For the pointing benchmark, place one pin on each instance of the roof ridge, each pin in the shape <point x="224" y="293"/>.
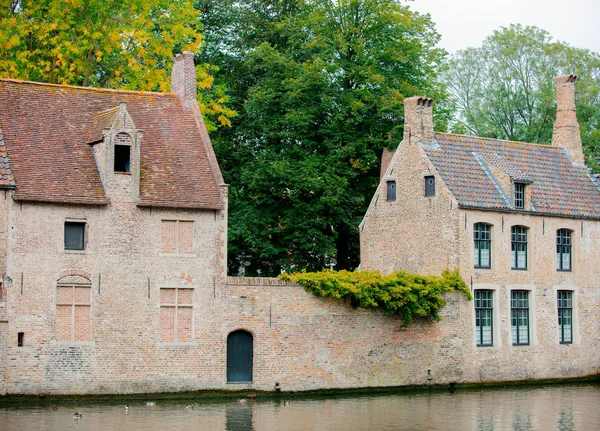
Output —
<point x="498" y="139"/>
<point x="92" y="89"/>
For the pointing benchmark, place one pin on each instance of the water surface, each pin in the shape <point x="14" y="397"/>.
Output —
<point x="564" y="408"/>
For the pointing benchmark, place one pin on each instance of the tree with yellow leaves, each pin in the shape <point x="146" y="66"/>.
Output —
<point x="105" y="43"/>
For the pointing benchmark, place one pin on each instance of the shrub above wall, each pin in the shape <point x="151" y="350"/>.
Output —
<point x="397" y="294"/>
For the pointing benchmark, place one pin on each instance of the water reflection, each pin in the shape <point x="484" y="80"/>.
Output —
<point x="239" y="417"/>
<point x="560" y="408"/>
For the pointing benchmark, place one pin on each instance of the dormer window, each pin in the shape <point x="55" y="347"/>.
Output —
<point x="122" y="158"/>
<point x="519" y="195"/>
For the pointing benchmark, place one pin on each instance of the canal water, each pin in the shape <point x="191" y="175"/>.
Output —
<point x="564" y="408"/>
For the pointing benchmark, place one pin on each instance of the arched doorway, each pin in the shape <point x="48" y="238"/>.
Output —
<point x="240" y="355"/>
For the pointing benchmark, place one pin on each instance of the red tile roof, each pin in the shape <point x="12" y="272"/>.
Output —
<point x="6" y="178"/>
<point x="47" y="129"/>
<point x="558" y="187"/>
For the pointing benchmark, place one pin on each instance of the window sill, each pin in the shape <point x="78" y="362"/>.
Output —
<point x="564" y="270"/>
<point x="518" y="269"/>
<point x="75" y="343"/>
<point x="185" y="255"/>
<point x="177" y="343"/>
<point x="75" y="251"/>
<point x="487" y="268"/>
<point x="240" y="383"/>
<point x="122" y="173"/>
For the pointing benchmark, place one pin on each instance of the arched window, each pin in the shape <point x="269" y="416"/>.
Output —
<point x="73" y="309"/>
<point x="518" y="244"/>
<point x="563" y="250"/>
<point x="482" y="245"/>
<point x="240" y="356"/>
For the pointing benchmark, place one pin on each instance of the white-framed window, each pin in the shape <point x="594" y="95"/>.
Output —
<point x="482" y="245"/>
<point x="519" y="316"/>
<point x="484" y="317"/>
<point x="518" y="247"/>
<point x="563" y="250"/>
<point x="565" y="316"/>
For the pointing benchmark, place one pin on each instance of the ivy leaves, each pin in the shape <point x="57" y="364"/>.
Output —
<point x="397" y="294"/>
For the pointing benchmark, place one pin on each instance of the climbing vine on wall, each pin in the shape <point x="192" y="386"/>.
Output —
<point x="398" y="294"/>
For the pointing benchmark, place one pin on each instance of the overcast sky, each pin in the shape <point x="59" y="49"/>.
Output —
<point x="465" y="23"/>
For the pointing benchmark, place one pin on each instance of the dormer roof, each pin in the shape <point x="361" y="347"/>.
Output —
<point x="48" y="128"/>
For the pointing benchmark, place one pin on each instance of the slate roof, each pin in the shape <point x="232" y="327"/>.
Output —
<point x="557" y="187"/>
<point x="47" y="129"/>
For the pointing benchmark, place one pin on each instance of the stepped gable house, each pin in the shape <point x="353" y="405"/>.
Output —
<point x="113" y="233"/>
<point x="522" y="224"/>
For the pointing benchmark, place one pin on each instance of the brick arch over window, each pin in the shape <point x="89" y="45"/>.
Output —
<point x="73" y="307"/>
<point x="75" y="273"/>
<point x="180" y="277"/>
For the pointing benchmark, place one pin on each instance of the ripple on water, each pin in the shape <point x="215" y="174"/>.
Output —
<point x="561" y="408"/>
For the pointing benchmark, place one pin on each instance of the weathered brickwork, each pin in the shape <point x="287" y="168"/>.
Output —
<point x="146" y="305"/>
<point x="428" y="234"/>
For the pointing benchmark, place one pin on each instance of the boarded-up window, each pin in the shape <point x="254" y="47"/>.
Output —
<point x="73" y="313"/>
<point x="176" y="311"/>
<point x="177" y="236"/>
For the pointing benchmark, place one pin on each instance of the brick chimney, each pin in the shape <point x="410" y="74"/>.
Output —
<point x="183" y="76"/>
<point x="566" y="128"/>
<point x="418" y="119"/>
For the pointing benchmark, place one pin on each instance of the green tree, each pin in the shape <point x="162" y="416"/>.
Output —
<point x="504" y="88"/>
<point x="319" y="89"/>
<point x="103" y="43"/>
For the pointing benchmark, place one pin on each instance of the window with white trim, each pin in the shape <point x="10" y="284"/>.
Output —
<point x="518" y="247"/>
<point x="519" y="314"/>
<point x="565" y="316"/>
<point x="482" y="245"/>
<point x="484" y="318"/>
<point x="563" y="250"/>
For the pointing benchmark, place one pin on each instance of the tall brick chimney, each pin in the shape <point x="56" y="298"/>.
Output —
<point x="418" y="119"/>
<point x="566" y="128"/>
<point x="183" y="76"/>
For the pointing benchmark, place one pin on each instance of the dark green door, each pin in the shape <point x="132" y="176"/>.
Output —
<point x="240" y="355"/>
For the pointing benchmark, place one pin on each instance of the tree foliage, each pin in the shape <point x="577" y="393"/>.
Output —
<point x="319" y="86"/>
<point x="103" y="43"/>
<point x="504" y="88"/>
<point x="398" y="294"/>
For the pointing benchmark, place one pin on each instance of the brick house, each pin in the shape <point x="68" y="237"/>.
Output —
<point x="113" y="233"/>
<point x="114" y="224"/>
<point x="520" y="221"/>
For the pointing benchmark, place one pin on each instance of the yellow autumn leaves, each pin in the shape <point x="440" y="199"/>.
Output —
<point x="125" y="44"/>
